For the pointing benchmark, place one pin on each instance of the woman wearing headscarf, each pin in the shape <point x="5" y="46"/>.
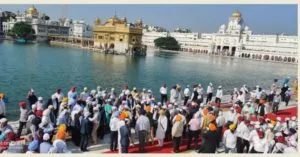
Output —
<point x="162" y="124"/>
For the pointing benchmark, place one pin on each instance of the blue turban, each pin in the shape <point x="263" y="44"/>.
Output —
<point x="116" y="114"/>
<point x="33" y="146"/>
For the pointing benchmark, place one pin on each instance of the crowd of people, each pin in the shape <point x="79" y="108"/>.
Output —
<point x="190" y="114"/>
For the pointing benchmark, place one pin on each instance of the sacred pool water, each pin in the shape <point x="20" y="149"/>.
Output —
<point x="46" y="68"/>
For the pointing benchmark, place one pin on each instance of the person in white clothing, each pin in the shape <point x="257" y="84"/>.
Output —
<point x="95" y="120"/>
<point x="162" y="124"/>
<point x="231" y="115"/>
<point x="186" y="94"/>
<point x="221" y="121"/>
<point x="173" y="95"/>
<point x="229" y="139"/>
<point x="164" y="93"/>
<point x="291" y="148"/>
<point x="242" y="132"/>
<point x="114" y="131"/>
<point x="39" y="103"/>
<point x="219" y="95"/>
<point x="209" y="92"/>
<point x="84" y="95"/>
<point x="59" y="95"/>
<point x="279" y="146"/>
<point x="260" y="144"/>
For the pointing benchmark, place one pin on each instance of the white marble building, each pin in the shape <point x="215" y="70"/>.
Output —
<point x="81" y="29"/>
<point x="235" y="39"/>
<point x="43" y="28"/>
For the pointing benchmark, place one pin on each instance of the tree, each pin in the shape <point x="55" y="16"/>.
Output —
<point x="168" y="43"/>
<point x="22" y="30"/>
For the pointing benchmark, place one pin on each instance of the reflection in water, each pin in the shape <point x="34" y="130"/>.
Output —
<point x="46" y="68"/>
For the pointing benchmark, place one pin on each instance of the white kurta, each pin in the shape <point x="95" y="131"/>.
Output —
<point x="162" y="125"/>
<point x="120" y="124"/>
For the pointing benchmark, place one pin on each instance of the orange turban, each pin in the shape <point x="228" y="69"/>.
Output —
<point x="178" y="118"/>
<point x="148" y="108"/>
<point x="211" y="117"/>
<point x="123" y="116"/>
<point x="61" y="132"/>
<point x="205" y="111"/>
<point x="212" y="127"/>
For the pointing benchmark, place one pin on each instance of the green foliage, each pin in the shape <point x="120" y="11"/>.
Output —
<point x="22" y="30"/>
<point x="168" y="43"/>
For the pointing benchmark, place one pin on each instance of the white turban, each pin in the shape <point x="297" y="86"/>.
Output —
<point x="46" y="137"/>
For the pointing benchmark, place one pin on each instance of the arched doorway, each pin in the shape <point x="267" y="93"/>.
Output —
<point x="280" y="59"/>
<point x="272" y="58"/>
<point x="260" y="56"/>
<point x="225" y="48"/>
<point x="242" y="55"/>
<point x="285" y="59"/>
<point x="289" y="59"/>
<point x="276" y="58"/>
<point x="112" y="46"/>
<point x="218" y="48"/>
<point x="253" y="56"/>
<point x="266" y="57"/>
<point x="293" y="59"/>
<point x="233" y="51"/>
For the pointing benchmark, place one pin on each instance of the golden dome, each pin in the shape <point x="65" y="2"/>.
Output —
<point x="114" y="20"/>
<point x="236" y="14"/>
<point x="32" y="10"/>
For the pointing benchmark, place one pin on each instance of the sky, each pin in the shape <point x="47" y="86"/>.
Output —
<point x="267" y="19"/>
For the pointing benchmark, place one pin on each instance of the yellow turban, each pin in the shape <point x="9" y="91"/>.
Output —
<point x="178" y="118"/>
<point x="161" y="112"/>
<point x="232" y="127"/>
<point x="65" y="100"/>
<point x="273" y="122"/>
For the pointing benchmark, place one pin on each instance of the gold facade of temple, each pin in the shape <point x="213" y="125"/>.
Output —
<point x="32" y="12"/>
<point x="117" y="35"/>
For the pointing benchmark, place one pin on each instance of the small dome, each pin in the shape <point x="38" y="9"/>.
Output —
<point x="124" y="19"/>
<point x="97" y="21"/>
<point x="139" y="21"/>
<point x="236" y="14"/>
<point x="246" y="28"/>
<point x="223" y="26"/>
<point x="114" y="19"/>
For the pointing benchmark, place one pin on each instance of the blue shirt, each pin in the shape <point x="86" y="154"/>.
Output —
<point x="45" y="147"/>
